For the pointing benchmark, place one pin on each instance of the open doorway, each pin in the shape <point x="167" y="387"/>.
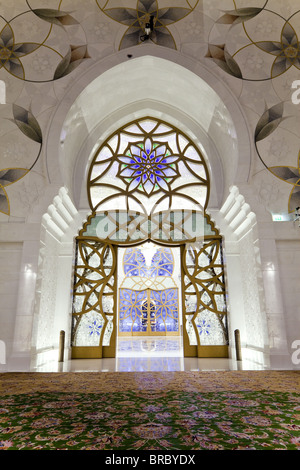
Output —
<point x="149" y="301"/>
<point x="148" y="181"/>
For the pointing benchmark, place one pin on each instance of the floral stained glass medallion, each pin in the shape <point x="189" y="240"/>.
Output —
<point x="149" y="167"/>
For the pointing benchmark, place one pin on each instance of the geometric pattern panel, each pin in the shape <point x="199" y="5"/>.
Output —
<point x="148" y="297"/>
<point x="149" y="312"/>
<point x="203" y="285"/>
<point x="148" y="166"/>
<point x="93" y="293"/>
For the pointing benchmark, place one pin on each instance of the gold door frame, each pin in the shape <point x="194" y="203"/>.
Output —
<point x="148" y="331"/>
<point x="213" y="286"/>
<point x="190" y="286"/>
<point x="102" y="287"/>
<point x="114" y="168"/>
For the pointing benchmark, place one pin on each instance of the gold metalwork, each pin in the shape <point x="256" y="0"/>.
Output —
<point x="135" y="181"/>
<point x="143" y="159"/>
<point x="203" y="290"/>
<point x="94" y="286"/>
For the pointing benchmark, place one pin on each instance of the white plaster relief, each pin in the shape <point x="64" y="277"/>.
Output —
<point x="238" y="224"/>
<point x="53" y="288"/>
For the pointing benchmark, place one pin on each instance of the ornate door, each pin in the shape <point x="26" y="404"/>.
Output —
<point x="148" y="181"/>
<point x="149" y="315"/>
<point x="204" y="299"/>
<point x="94" y="300"/>
<point x="154" y="310"/>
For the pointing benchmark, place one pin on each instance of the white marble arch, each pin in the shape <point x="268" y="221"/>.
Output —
<point x="244" y="278"/>
<point x="109" y="94"/>
<point x="156" y="82"/>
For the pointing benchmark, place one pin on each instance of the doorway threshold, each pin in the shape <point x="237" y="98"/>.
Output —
<point x="149" y="346"/>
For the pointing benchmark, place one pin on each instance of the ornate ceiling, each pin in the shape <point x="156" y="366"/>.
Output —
<point x="252" y="46"/>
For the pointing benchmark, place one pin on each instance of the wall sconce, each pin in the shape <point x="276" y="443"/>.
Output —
<point x="148" y="29"/>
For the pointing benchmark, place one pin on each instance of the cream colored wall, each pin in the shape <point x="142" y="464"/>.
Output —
<point x="10" y="261"/>
<point x="289" y="275"/>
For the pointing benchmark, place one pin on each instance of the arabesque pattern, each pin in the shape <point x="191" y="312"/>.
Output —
<point x="93" y="294"/>
<point x="204" y="290"/>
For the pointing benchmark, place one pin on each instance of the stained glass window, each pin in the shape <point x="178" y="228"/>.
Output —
<point x="148" y="181"/>
<point x="134" y="263"/>
<point x="145" y="166"/>
<point x="93" y="293"/>
<point x="204" y="291"/>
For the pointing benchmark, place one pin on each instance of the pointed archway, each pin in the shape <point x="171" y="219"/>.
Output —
<point x="149" y="181"/>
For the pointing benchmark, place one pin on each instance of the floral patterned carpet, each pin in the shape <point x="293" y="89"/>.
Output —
<point x="230" y="410"/>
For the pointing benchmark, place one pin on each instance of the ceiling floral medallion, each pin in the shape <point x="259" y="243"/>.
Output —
<point x="12" y="53"/>
<point x="136" y="16"/>
<point x="148" y="166"/>
<point x="290" y="175"/>
<point x="285" y="47"/>
<point x="266" y="125"/>
<point x="287" y="51"/>
<point x="29" y="126"/>
<point x="9" y="176"/>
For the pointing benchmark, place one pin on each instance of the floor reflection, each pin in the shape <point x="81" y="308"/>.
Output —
<point x="143" y="354"/>
<point x="146" y="345"/>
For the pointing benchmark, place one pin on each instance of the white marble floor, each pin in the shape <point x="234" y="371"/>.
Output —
<point x="147" y="354"/>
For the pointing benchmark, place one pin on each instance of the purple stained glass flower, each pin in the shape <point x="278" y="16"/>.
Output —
<point x="148" y="166"/>
<point x="204" y="327"/>
<point x="94" y="328"/>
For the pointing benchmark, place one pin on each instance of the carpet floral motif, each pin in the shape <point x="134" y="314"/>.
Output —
<point x="152" y="418"/>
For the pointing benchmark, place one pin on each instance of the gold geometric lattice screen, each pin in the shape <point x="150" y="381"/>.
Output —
<point x="94" y="295"/>
<point x="203" y="285"/>
<point x="149" y="182"/>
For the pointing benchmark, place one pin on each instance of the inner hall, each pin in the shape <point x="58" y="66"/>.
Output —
<point x="149" y="189"/>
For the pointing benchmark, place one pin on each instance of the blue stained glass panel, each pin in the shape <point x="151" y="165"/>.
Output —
<point x="131" y="311"/>
<point x="95" y="328"/>
<point x="166" y="312"/>
<point x="134" y="311"/>
<point x="134" y="263"/>
<point x="152" y="310"/>
<point x="162" y="263"/>
<point x="211" y="328"/>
